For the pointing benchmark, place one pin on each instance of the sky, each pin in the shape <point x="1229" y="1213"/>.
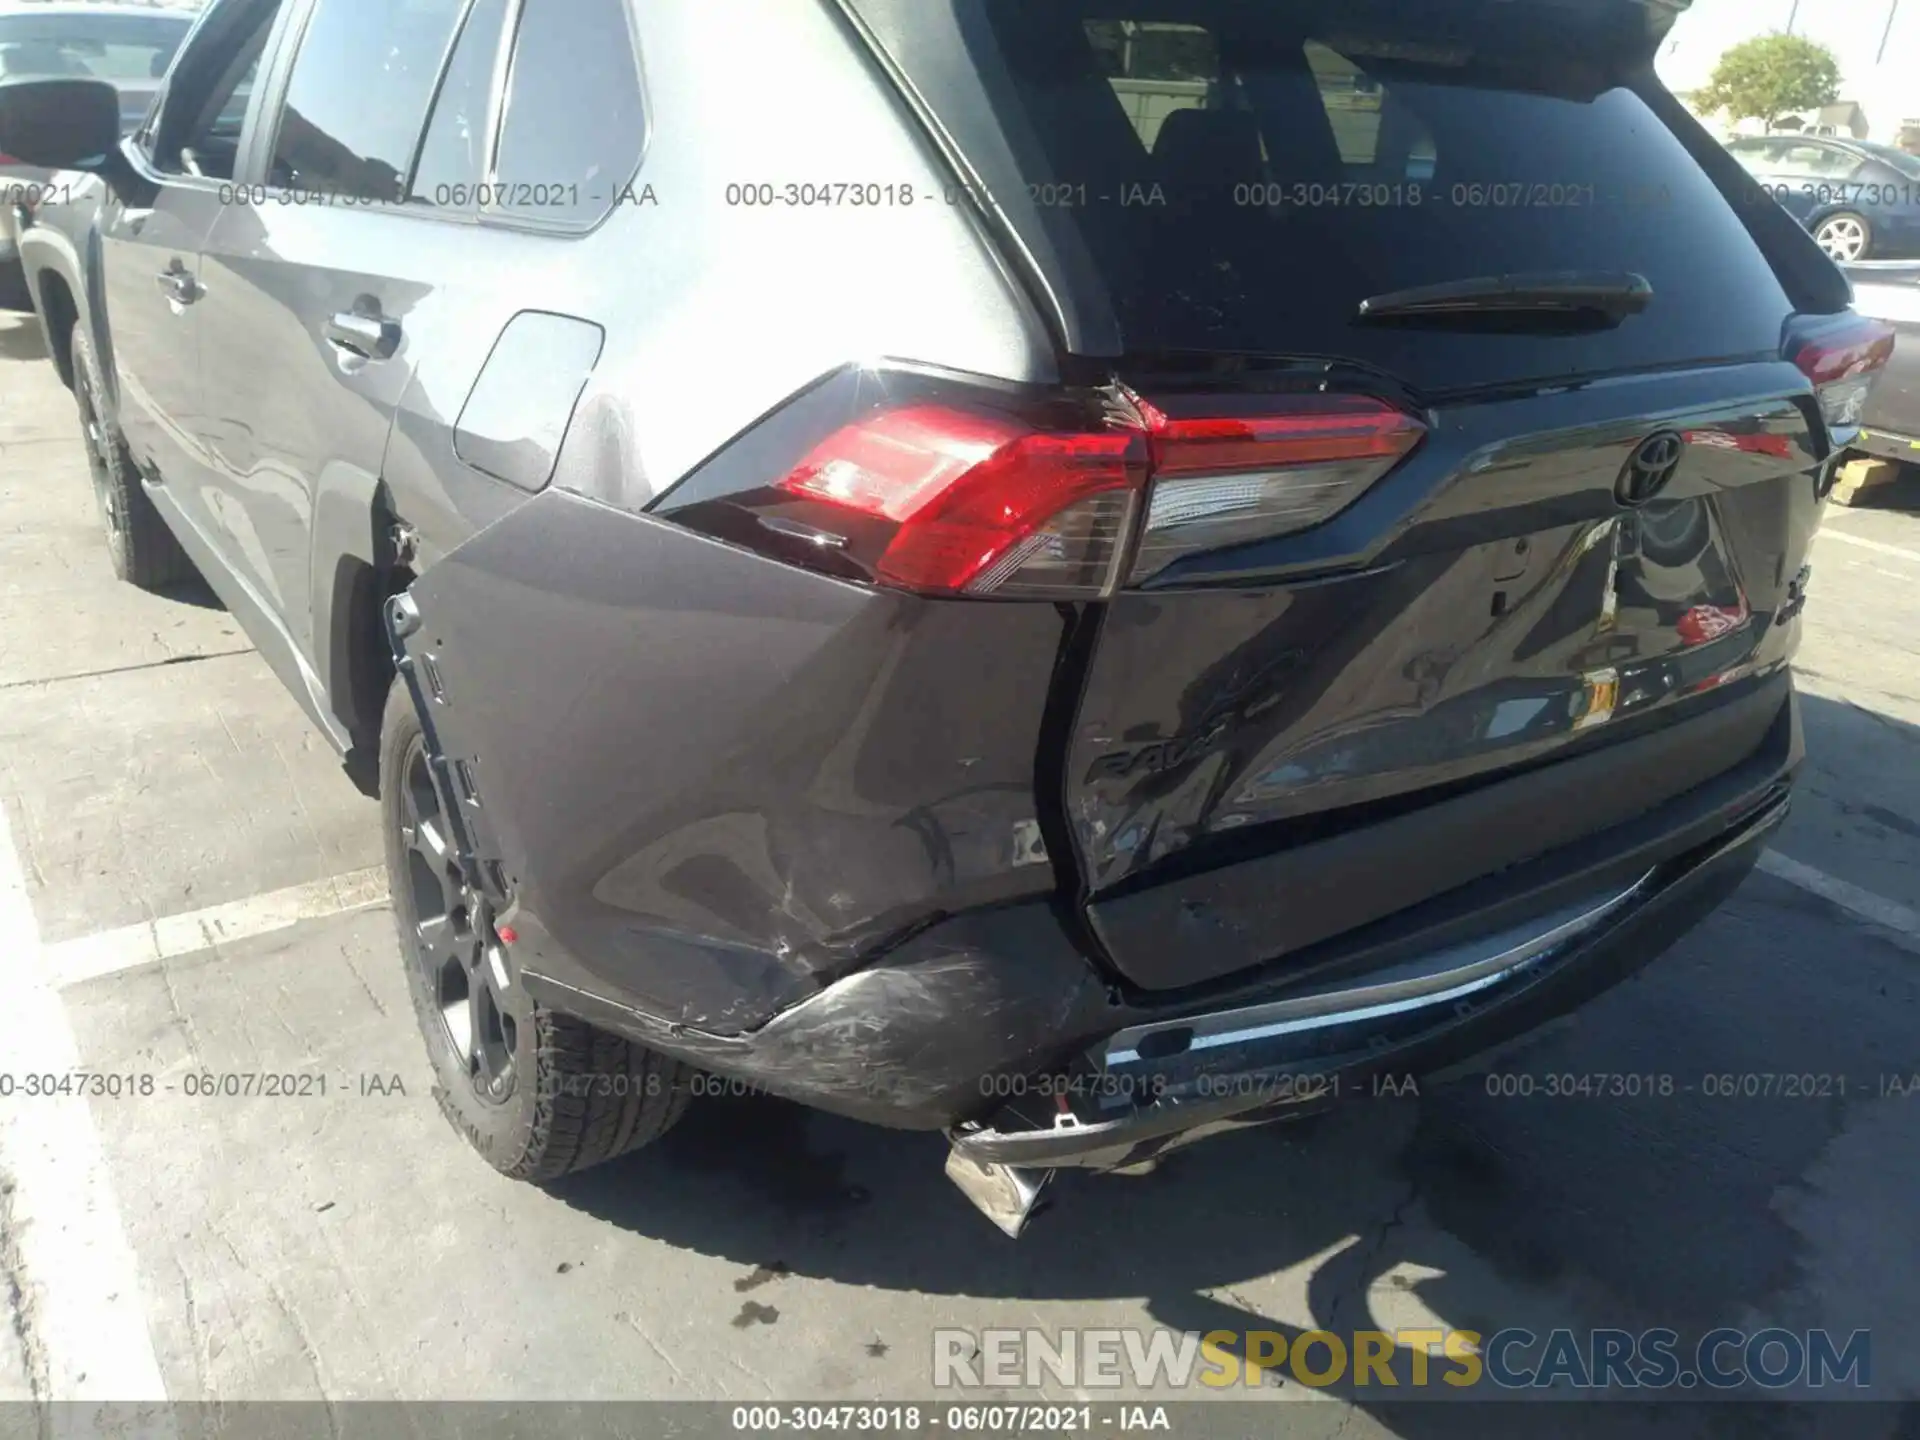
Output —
<point x="1889" y="92"/>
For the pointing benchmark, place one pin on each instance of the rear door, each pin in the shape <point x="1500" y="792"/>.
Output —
<point x="365" y="278"/>
<point x="1767" y="161"/>
<point x="1384" y="621"/>
<point x="308" y="294"/>
<point x="1812" y="179"/>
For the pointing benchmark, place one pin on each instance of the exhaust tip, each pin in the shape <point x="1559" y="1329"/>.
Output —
<point x="1008" y="1195"/>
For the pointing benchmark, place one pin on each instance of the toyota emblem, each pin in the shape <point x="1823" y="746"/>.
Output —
<point x="1647" y="473"/>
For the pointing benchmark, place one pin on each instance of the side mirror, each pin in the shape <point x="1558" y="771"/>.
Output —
<point x="58" y="123"/>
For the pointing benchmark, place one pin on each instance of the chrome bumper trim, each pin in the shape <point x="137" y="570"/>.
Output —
<point x="1430" y="981"/>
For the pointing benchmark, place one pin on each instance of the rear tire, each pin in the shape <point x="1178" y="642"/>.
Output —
<point x="143" y="549"/>
<point x="538" y="1093"/>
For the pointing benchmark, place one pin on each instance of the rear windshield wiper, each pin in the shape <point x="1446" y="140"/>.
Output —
<point x="1611" y="295"/>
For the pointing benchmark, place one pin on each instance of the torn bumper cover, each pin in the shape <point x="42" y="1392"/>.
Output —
<point x="1167" y="1084"/>
<point x="992" y="1026"/>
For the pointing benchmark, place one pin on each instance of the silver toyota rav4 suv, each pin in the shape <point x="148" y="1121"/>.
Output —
<point x="1076" y="574"/>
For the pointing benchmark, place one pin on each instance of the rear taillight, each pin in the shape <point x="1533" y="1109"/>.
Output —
<point x="941" y="490"/>
<point x="1272" y="469"/>
<point x="1842" y="356"/>
<point x="981" y="504"/>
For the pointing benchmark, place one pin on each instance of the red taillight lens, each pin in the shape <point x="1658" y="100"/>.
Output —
<point x="1224" y="480"/>
<point x="1311" y="430"/>
<point x="984" y="504"/>
<point x="1843" y="357"/>
<point x="944" y="490"/>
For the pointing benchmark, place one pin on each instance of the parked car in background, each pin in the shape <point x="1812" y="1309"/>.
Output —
<point x="1889" y="443"/>
<point x="127" y="45"/>
<point x="1859" y="199"/>
<point x="1006" y="614"/>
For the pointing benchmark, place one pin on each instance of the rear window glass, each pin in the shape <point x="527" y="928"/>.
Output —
<point x="1242" y="177"/>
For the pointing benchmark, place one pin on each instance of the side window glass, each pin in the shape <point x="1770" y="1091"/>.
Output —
<point x="574" y="124"/>
<point x="1815" y="162"/>
<point x="196" y="130"/>
<point x="453" y="156"/>
<point x="358" y="96"/>
<point x="1838" y="164"/>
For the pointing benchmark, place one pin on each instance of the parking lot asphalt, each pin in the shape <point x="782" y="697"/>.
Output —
<point x="190" y="888"/>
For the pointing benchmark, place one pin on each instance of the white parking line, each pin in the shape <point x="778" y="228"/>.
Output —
<point x="1902" y="924"/>
<point x="1880" y="547"/>
<point x="69" y="962"/>
<point x="83" y="1316"/>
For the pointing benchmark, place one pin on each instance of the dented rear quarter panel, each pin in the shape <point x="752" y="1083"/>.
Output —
<point x="716" y="781"/>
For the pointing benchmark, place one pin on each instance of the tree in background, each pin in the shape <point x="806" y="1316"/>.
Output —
<point x="1770" y="76"/>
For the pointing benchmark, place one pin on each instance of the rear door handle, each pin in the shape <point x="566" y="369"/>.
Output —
<point x="371" y="337"/>
<point x="179" y="285"/>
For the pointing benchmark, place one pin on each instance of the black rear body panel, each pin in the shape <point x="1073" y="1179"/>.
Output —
<point x="1250" y="753"/>
<point x="931" y="1032"/>
<point x="1283" y="740"/>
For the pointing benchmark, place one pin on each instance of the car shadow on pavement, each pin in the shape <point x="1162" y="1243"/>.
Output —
<point x="1472" y="1204"/>
<point x="193" y="591"/>
<point x="20" y="337"/>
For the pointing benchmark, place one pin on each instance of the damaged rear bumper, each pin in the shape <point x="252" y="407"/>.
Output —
<point x="1264" y="1062"/>
<point x="992" y="1026"/>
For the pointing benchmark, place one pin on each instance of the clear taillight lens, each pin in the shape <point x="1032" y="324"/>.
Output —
<point x="1843" y="357"/>
<point x="1223" y="480"/>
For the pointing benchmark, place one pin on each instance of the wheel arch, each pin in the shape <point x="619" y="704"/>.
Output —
<point x="59" y="313"/>
<point x="355" y="571"/>
<point x="65" y="286"/>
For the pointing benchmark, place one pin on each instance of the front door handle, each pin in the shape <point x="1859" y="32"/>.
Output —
<point x="371" y="337"/>
<point x="178" y="285"/>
